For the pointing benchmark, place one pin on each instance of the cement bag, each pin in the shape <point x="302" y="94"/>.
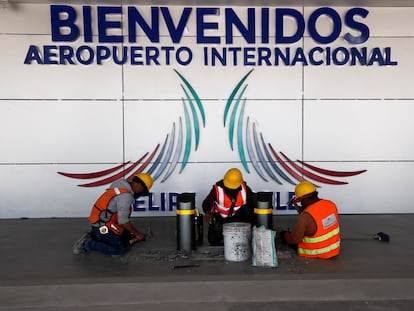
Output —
<point x="263" y="248"/>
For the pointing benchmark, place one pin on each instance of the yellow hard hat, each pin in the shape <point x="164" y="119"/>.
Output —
<point x="233" y="178"/>
<point x="302" y="189"/>
<point x="145" y="180"/>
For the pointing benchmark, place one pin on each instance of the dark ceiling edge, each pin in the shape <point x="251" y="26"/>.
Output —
<point x="241" y="3"/>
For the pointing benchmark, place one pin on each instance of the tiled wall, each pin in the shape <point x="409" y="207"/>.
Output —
<point x="83" y="119"/>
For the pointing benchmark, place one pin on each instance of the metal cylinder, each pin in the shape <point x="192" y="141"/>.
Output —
<point x="186" y="222"/>
<point x="263" y="211"/>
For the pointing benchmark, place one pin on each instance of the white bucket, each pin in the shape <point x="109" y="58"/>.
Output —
<point x="237" y="239"/>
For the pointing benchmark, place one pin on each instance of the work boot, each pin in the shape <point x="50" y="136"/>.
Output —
<point x="79" y="246"/>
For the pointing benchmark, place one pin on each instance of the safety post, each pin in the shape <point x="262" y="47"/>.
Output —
<point x="263" y="211"/>
<point x="186" y="222"/>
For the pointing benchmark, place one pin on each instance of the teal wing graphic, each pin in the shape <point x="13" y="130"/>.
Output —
<point x="164" y="159"/>
<point x="266" y="162"/>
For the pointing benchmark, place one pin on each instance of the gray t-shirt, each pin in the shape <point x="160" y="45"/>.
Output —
<point x="120" y="203"/>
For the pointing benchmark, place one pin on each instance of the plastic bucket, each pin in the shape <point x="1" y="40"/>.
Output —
<point x="237" y="238"/>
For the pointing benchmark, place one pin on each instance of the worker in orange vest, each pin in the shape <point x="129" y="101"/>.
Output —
<point x="112" y="230"/>
<point x="230" y="200"/>
<point x="316" y="233"/>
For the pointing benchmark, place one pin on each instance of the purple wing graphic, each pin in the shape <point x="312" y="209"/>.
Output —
<point x="174" y="150"/>
<point x="265" y="160"/>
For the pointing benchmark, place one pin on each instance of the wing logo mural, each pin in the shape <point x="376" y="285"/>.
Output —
<point x="175" y="148"/>
<point x="243" y="133"/>
<point x="265" y="160"/>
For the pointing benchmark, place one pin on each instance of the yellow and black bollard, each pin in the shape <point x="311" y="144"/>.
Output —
<point x="263" y="210"/>
<point x="186" y="222"/>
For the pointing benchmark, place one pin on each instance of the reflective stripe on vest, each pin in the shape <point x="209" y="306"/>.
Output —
<point x="322" y="237"/>
<point x="326" y="242"/>
<point x="320" y="251"/>
<point x="101" y="205"/>
<point x="223" y="202"/>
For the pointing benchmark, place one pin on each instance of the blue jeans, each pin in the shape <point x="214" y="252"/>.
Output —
<point x="108" y="244"/>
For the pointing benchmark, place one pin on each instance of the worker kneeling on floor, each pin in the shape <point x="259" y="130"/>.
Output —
<point x="112" y="230"/>
<point x="316" y="232"/>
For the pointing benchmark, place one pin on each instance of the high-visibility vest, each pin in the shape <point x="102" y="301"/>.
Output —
<point x="326" y="242"/>
<point x="223" y="203"/>
<point x="100" y="209"/>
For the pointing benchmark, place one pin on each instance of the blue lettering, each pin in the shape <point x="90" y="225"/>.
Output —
<point x="66" y="25"/>
<point x="134" y="17"/>
<point x="49" y="53"/>
<point x="64" y="28"/>
<point x="336" y="29"/>
<point x="176" y="33"/>
<point x="264" y="56"/>
<point x="162" y="201"/>
<point x="151" y="205"/>
<point x="249" y="54"/>
<point x="299" y="57"/>
<point x="216" y="55"/>
<point x="33" y="55"/>
<point x="361" y="55"/>
<point x="290" y="196"/>
<point x="148" y="203"/>
<point x="312" y="59"/>
<point x="300" y="23"/>
<point x="117" y="60"/>
<point x="87" y="24"/>
<point x="265" y="25"/>
<point x="56" y="11"/>
<point x="139" y="204"/>
<point x="136" y="55"/>
<point x="276" y="202"/>
<point x="328" y="56"/>
<point x="167" y="50"/>
<point x="205" y="53"/>
<point x="104" y="24"/>
<point x="388" y="60"/>
<point x="340" y="56"/>
<point x="202" y="26"/>
<point x="66" y="55"/>
<point x="284" y="57"/>
<point x="362" y="28"/>
<point x="172" y="199"/>
<point x="85" y="55"/>
<point x="376" y="57"/>
<point x="234" y="51"/>
<point x="249" y="33"/>
<point x="282" y="207"/>
<point x="182" y="51"/>
<point x="151" y="54"/>
<point x="102" y="53"/>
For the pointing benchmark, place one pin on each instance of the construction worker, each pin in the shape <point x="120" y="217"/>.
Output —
<point x="316" y="232"/>
<point x="230" y="200"/>
<point x="112" y="230"/>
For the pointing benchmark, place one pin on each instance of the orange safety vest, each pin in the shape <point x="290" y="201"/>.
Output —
<point x="101" y="206"/>
<point x="326" y="242"/>
<point x="223" y="203"/>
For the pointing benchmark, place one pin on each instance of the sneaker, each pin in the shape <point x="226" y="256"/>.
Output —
<point x="79" y="246"/>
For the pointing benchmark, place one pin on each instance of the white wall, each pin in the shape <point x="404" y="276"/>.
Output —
<point x="82" y="119"/>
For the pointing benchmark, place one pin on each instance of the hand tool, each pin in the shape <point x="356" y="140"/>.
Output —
<point x="380" y="236"/>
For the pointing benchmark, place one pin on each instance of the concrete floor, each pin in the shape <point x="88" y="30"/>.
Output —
<point x="39" y="272"/>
